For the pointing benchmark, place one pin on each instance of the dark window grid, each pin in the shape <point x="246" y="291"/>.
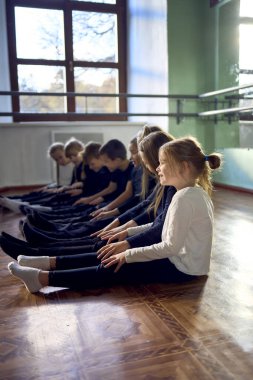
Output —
<point x="68" y="63"/>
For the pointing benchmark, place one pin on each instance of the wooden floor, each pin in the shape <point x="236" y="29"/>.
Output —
<point x="202" y="330"/>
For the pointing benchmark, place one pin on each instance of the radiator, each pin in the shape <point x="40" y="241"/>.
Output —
<point x="58" y="136"/>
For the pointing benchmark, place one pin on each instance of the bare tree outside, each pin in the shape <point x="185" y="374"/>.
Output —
<point x="39" y="33"/>
<point x="94" y="36"/>
<point x="94" y="40"/>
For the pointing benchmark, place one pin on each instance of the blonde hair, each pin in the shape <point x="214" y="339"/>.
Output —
<point x="73" y="146"/>
<point x="54" y="148"/>
<point x="146" y="130"/>
<point x="189" y="150"/>
<point x="150" y="146"/>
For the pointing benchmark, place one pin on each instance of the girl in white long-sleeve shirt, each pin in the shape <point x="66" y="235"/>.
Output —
<point x="188" y="227"/>
<point x="186" y="236"/>
<point x="185" y="249"/>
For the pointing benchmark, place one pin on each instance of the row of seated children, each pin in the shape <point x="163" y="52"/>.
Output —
<point x="62" y="155"/>
<point x="124" y="179"/>
<point x="71" y="152"/>
<point x="113" y="155"/>
<point x="155" y="204"/>
<point x="89" y="175"/>
<point x="149" y="151"/>
<point x="183" y="253"/>
<point x="82" y="183"/>
<point x="123" y="191"/>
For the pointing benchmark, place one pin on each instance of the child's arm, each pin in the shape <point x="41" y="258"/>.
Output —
<point x="112" y="228"/>
<point x="74" y="192"/>
<point x="128" y="193"/>
<point x="77" y="185"/>
<point x="179" y="221"/>
<point x="118" y="201"/>
<point x="123" y="244"/>
<point x="108" y="190"/>
<point x="106" y="214"/>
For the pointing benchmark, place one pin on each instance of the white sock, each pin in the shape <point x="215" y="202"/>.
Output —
<point x="29" y="276"/>
<point x="39" y="262"/>
<point x="12" y="204"/>
<point x="41" y="208"/>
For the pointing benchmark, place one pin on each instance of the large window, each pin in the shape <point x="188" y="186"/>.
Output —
<point x="75" y="46"/>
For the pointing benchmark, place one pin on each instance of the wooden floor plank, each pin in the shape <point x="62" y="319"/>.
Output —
<point x="198" y="330"/>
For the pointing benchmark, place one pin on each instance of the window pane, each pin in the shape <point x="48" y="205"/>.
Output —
<point x="100" y="1"/>
<point x="42" y="104"/>
<point x="42" y="79"/>
<point x="245" y="56"/>
<point x="96" y="81"/>
<point x="246" y="8"/>
<point x="39" y="33"/>
<point x="246" y="79"/>
<point x="95" y="36"/>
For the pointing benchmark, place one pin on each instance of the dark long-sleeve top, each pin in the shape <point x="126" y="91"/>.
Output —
<point x="138" y="209"/>
<point x="96" y="181"/>
<point x="120" y="177"/>
<point x="154" y="233"/>
<point x="79" y="172"/>
<point x="137" y="184"/>
<point x="136" y="180"/>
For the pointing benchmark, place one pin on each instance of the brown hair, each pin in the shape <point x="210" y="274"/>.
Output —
<point x="145" y="131"/>
<point x="114" y="149"/>
<point x="189" y="149"/>
<point x="150" y="146"/>
<point x="134" y="141"/>
<point x="91" y="150"/>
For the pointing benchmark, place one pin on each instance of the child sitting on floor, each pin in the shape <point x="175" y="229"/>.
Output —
<point x="183" y="253"/>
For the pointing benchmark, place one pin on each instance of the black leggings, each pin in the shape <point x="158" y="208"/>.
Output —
<point x="67" y="251"/>
<point x="85" y="271"/>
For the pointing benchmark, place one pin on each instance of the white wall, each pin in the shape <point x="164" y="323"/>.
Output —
<point x="23" y="147"/>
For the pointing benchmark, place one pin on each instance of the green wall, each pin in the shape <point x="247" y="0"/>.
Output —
<point x="227" y="52"/>
<point x="203" y="57"/>
<point x="236" y="170"/>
